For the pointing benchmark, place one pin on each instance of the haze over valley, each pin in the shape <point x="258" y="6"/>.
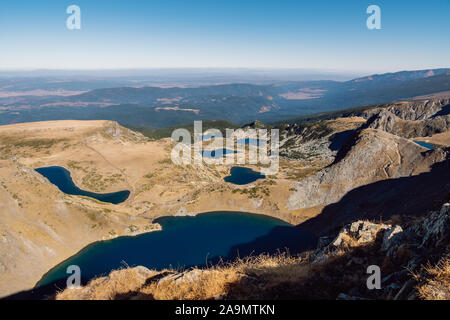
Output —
<point x="165" y="105"/>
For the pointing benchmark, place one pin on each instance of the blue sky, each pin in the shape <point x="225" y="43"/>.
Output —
<point x="329" y="35"/>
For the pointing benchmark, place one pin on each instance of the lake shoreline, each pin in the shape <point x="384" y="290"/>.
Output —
<point x="39" y="284"/>
<point x="90" y="244"/>
<point x="61" y="177"/>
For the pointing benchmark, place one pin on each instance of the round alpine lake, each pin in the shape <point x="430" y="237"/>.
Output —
<point x="218" y="153"/>
<point x="242" y="175"/>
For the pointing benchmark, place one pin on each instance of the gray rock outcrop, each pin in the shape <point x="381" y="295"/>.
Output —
<point x="376" y="155"/>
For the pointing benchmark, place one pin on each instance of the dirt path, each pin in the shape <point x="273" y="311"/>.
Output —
<point x="130" y="186"/>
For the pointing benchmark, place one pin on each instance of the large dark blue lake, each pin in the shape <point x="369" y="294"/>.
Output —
<point x="61" y="178"/>
<point x="186" y="242"/>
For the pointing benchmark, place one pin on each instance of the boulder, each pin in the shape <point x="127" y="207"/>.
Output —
<point x="360" y="231"/>
<point x="435" y="229"/>
<point x="392" y="238"/>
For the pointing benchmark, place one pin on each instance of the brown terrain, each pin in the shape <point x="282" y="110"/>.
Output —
<point x="333" y="174"/>
<point x="41" y="226"/>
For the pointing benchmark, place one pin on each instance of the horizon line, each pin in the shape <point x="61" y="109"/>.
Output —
<point x="262" y="69"/>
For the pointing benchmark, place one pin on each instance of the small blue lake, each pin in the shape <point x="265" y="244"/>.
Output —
<point x="246" y="141"/>
<point x="218" y="153"/>
<point x="425" y="145"/>
<point x="209" y="136"/>
<point x="61" y="178"/>
<point x="251" y="142"/>
<point x="242" y="175"/>
<point x="186" y="242"/>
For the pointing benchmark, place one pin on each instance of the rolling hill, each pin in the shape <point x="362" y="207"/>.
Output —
<point x="158" y="107"/>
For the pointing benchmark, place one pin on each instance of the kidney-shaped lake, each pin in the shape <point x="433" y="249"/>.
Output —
<point x="61" y="178"/>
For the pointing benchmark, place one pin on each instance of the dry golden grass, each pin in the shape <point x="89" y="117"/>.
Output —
<point x="233" y="278"/>
<point x="436" y="283"/>
<point x="208" y="285"/>
<point x="268" y="276"/>
<point x="349" y="242"/>
<point x="260" y="278"/>
<point x="118" y="282"/>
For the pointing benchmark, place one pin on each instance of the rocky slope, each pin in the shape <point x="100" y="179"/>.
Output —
<point x="378" y="150"/>
<point x="414" y="110"/>
<point x="389" y="122"/>
<point x="317" y="141"/>
<point x="375" y="155"/>
<point x="412" y="119"/>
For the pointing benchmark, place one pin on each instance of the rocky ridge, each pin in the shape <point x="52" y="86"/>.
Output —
<point x="375" y="155"/>
<point x="378" y="150"/>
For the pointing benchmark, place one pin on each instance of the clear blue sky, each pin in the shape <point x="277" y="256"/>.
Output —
<point x="225" y="33"/>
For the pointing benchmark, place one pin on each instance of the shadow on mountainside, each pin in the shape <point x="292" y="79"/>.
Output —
<point x="411" y="196"/>
<point x="300" y="281"/>
<point x="47" y="292"/>
<point x="345" y="145"/>
<point x="443" y="112"/>
<point x="406" y="196"/>
<point x="279" y="239"/>
<point x="340" y="139"/>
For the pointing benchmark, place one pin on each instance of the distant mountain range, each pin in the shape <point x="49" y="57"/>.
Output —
<point x="159" y="107"/>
